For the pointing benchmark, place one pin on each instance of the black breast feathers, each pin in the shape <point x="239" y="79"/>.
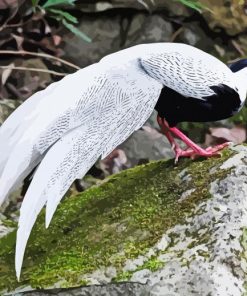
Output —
<point x="176" y="108"/>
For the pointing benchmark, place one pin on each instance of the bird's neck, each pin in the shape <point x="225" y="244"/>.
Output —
<point x="242" y="73"/>
<point x="241" y="79"/>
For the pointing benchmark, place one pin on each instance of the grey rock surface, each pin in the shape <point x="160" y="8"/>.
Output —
<point x="105" y="34"/>
<point x="204" y="255"/>
<point x="171" y="7"/>
<point x="146" y="144"/>
<point x="145" y="28"/>
<point x="112" y="32"/>
<point x="123" y="289"/>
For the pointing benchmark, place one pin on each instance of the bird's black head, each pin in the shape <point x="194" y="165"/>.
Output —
<point x="239" y="65"/>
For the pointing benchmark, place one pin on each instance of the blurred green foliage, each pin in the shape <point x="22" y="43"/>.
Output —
<point x="194" y="4"/>
<point x="240" y="117"/>
<point x="53" y="9"/>
<point x="50" y="3"/>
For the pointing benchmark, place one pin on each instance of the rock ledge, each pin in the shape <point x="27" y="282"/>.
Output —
<point x="165" y="230"/>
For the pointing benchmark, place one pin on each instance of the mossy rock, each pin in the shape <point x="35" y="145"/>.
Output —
<point x="132" y="227"/>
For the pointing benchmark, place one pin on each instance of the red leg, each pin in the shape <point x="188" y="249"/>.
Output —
<point x="177" y="150"/>
<point x="197" y="149"/>
<point x="194" y="149"/>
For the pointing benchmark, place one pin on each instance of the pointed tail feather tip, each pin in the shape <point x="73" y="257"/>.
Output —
<point x="21" y="242"/>
<point x="48" y="218"/>
<point x="18" y="265"/>
<point x="51" y="207"/>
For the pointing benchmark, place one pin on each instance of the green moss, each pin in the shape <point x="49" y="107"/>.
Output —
<point x="122" y="218"/>
<point x="124" y="276"/>
<point x="152" y="264"/>
<point x="9" y="223"/>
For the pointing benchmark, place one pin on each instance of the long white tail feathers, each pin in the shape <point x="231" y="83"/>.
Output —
<point x="68" y="159"/>
<point x="16" y="124"/>
<point x="20" y="163"/>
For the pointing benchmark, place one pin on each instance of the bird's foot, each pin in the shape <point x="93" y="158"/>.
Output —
<point x="182" y="153"/>
<point x="208" y="152"/>
<point x="213" y="151"/>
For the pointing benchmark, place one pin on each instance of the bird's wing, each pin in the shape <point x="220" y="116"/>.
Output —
<point x="42" y="121"/>
<point x="129" y="121"/>
<point x="187" y="70"/>
<point x="123" y="102"/>
<point x="16" y="124"/>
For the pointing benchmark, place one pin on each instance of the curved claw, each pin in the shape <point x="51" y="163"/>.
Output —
<point x="218" y="147"/>
<point x="182" y="153"/>
<point x="193" y="149"/>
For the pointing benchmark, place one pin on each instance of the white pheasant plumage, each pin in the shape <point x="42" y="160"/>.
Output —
<point x="84" y="116"/>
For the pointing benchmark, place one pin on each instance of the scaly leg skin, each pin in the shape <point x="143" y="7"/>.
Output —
<point x="198" y="151"/>
<point x="194" y="149"/>
<point x="177" y="150"/>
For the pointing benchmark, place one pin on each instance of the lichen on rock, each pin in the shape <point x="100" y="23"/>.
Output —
<point x="173" y="229"/>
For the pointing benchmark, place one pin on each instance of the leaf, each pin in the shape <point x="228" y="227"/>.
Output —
<point x="219" y="135"/>
<point x="76" y="31"/>
<point x="143" y="3"/>
<point x="194" y="4"/>
<point x="236" y="134"/>
<point x="50" y="3"/>
<point x="35" y="3"/>
<point x="65" y="15"/>
<point x="6" y="73"/>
